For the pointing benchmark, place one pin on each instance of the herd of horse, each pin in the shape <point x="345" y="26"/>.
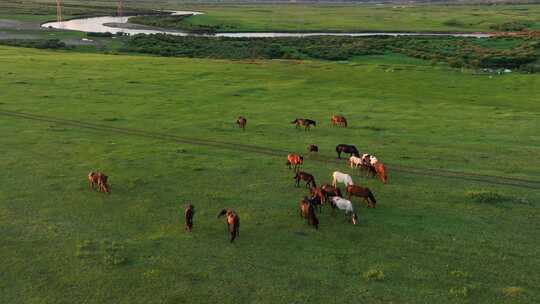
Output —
<point x="318" y="197"/>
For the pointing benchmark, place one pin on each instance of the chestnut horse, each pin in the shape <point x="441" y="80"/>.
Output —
<point x="319" y="195"/>
<point x="294" y="159"/>
<point x="308" y="178"/>
<point x="304" y="122"/>
<point x="330" y="191"/>
<point x="98" y="180"/>
<point x="338" y="120"/>
<point x="381" y="172"/>
<point x="241" y="121"/>
<point x="189" y="212"/>
<point x="313" y="148"/>
<point x="362" y="192"/>
<point x="233" y="223"/>
<point x="307" y="211"/>
<point x="347" y="149"/>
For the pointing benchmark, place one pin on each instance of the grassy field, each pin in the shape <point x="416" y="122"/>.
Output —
<point x="442" y="18"/>
<point x="429" y="240"/>
<point x="297" y="17"/>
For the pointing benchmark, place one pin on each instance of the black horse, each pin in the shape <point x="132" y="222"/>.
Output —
<point x="347" y="149"/>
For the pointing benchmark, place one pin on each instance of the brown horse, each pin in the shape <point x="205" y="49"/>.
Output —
<point x="233" y="223"/>
<point x="98" y="180"/>
<point x="330" y="191"/>
<point x="295" y="160"/>
<point x="308" y="178"/>
<point x="241" y="121"/>
<point x="362" y="192"/>
<point x="189" y="212"/>
<point x="338" y="120"/>
<point x="381" y="172"/>
<point x="307" y="211"/>
<point x="304" y="122"/>
<point x="313" y="148"/>
<point x="318" y="192"/>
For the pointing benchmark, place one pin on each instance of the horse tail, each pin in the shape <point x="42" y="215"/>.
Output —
<point x="372" y="198"/>
<point x="313" y="183"/>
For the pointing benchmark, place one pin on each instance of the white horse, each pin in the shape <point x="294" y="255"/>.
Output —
<point x="355" y="161"/>
<point x="346" y="205"/>
<point x="339" y="177"/>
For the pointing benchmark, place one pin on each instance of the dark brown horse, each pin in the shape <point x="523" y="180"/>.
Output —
<point x="338" y="120"/>
<point x="295" y="160"/>
<point x="307" y="211"/>
<point x="313" y="148"/>
<point x="189" y="212"/>
<point x="347" y="149"/>
<point x="304" y="122"/>
<point x="308" y="178"/>
<point x="362" y="192"/>
<point x="241" y="121"/>
<point x="98" y="180"/>
<point x="233" y="223"/>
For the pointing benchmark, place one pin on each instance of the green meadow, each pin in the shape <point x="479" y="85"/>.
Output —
<point x="430" y="239"/>
<point x="355" y="18"/>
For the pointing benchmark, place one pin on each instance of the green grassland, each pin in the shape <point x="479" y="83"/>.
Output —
<point x="297" y="17"/>
<point x="354" y="18"/>
<point x="430" y="240"/>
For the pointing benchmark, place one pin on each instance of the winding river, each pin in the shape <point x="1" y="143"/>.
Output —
<point x="120" y="25"/>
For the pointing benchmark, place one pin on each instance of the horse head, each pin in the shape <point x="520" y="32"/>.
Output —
<point x="222" y="213"/>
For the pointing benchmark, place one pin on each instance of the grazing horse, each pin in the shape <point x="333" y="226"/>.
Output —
<point x="339" y="177"/>
<point x="294" y="159"/>
<point x="355" y="162"/>
<point x="338" y="120"/>
<point x="313" y="148"/>
<point x="362" y="192"/>
<point x="308" y="178"/>
<point x="307" y="211"/>
<point x="318" y="194"/>
<point x="346" y="205"/>
<point x="347" y="149"/>
<point x="98" y="180"/>
<point x="241" y="121"/>
<point x="381" y="172"/>
<point x="189" y="212"/>
<point x="304" y="122"/>
<point x="369" y="160"/>
<point x="233" y="223"/>
<point x="330" y="191"/>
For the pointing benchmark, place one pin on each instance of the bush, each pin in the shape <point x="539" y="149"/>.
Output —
<point x="94" y="34"/>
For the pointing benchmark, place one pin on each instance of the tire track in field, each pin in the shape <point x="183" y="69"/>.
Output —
<point x="482" y="178"/>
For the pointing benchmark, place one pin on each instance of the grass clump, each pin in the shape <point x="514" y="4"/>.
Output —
<point x="512" y="291"/>
<point x="493" y="198"/>
<point x="460" y="292"/>
<point x="374" y="275"/>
